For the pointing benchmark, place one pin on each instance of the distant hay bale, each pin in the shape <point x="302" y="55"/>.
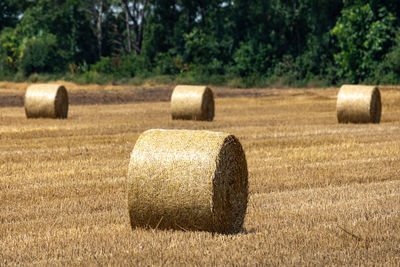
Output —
<point x="188" y="180"/>
<point x="359" y="104"/>
<point x="46" y="101"/>
<point x="192" y="103"/>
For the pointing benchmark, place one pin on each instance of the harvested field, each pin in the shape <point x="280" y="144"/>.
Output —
<point x="12" y="95"/>
<point x="319" y="192"/>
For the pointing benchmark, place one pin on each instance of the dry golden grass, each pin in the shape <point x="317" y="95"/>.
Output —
<point x="320" y="192"/>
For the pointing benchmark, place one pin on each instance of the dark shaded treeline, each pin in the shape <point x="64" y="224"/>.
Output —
<point x="293" y="41"/>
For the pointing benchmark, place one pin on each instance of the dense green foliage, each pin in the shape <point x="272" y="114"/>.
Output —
<point x="239" y="43"/>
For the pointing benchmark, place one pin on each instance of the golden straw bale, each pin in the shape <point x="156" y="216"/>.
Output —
<point x="190" y="180"/>
<point x="192" y="103"/>
<point x="359" y="104"/>
<point x="46" y="101"/>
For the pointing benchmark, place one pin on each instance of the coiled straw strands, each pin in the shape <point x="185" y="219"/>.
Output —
<point x="46" y="101"/>
<point x="359" y="104"/>
<point x="192" y="103"/>
<point x="190" y="180"/>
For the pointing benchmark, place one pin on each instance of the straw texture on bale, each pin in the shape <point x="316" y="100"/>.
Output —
<point x="192" y="103"/>
<point x="188" y="180"/>
<point x="359" y="104"/>
<point x="46" y="101"/>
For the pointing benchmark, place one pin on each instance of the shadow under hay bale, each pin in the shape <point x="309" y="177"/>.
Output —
<point x="359" y="104"/>
<point x="188" y="180"/>
<point x="192" y="103"/>
<point x="46" y="101"/>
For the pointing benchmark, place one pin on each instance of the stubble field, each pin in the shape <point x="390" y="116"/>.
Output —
<point x="320" y="193"/>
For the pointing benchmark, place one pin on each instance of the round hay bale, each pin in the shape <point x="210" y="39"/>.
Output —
<point x="46" y="101"/>
<point x="359" y="104"/>
<point x="192" y="103"/>
<point x="188" y="180"/>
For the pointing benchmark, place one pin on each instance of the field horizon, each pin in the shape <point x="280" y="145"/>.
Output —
<point x="320" y="193"/>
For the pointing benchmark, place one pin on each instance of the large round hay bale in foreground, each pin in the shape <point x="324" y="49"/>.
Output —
<point x="188" y="180"/>
<point x="359" y="104"/>
<point x="46" y="101"/>
<point x="192" y="103"/>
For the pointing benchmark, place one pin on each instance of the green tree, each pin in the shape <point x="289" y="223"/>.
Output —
<point x="8" y="14"/>
<point x="388" y="70"/>
<point x="10" y="50"/>
<point x="68" y="21"/>
<point x="364" y="36"/>
<point x="41" y="55"/>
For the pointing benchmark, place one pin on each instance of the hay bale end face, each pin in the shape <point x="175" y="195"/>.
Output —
<point x="46" y="101"/>
<point x="188" y="180"/>
<point x="359" y="104"/>
<point x="192" y="103"/>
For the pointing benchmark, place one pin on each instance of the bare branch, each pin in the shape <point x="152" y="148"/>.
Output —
<point x="136" y="11"/>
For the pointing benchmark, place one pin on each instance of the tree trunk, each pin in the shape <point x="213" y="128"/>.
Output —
<point x="138" y="17"/>
<point x="128" y="31"/>
<point x="99" y="32"/>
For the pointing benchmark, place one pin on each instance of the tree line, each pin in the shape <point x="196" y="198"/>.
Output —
<point x="239" y="42"/>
